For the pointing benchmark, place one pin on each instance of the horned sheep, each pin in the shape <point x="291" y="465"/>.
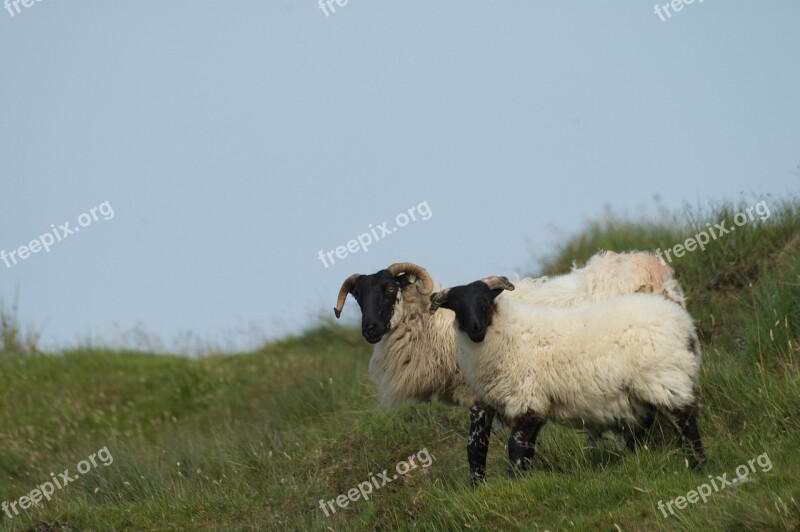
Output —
<point x="414" y="358"/>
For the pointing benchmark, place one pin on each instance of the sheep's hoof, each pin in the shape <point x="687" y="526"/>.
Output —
<point x="477" y="479"/>
<point x="697" y="462"/>
<point x="517" y="471"/>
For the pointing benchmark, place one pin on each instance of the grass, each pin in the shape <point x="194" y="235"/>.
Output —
<point x="255" y="440"/>
<point x="13" y="340"/>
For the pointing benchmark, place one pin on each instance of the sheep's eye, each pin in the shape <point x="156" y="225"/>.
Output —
<point x="391" y="289"/>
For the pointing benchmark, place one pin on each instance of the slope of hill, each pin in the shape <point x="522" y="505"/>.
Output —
<point x="256" y="440"/>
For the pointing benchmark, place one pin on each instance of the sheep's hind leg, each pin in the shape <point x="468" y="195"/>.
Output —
<point x="630" y="433"/>
<point x="593" y="437"/>
<point x="634" y="433"/>
<point x="685" y="420"/>
<point x="522" y="442"/>
<point x="480" y="428"/>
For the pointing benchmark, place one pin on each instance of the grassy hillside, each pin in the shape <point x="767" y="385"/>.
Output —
<point x="255" y="440"/>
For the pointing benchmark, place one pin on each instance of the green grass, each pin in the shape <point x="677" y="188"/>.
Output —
<point x="255" y="440"/>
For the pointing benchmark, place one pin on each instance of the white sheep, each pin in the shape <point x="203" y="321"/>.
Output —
<point x="605" y="364"/>
<point x="414" y="358"/>
<point x="606" y="274"/>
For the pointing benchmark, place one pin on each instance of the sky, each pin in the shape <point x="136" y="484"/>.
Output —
<point x="235" y="141"/>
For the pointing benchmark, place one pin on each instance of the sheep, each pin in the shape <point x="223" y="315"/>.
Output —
<point x="608" y="274"/>
<point x="414" y="355"/>
<point x="414" y="359"/>
<point x="607" y="364"/>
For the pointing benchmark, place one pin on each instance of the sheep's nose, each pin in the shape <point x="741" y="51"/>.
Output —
<point x="475" y="328"/>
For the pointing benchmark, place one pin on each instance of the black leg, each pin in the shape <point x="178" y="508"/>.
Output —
<point x="522" y="442"/>
<point x="630" y="434"/>
<point x="685" y="419"/>
<point x="649" y="419"/>
<point x="480" y="428"/>
<point x="633" y="433"/>
<point x="593" y="436"/>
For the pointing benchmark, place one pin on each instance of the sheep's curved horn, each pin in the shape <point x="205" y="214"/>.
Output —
<point x="411" y="268"/>
<point x="343" y="291"/>
<point x="497" y="282"/>
<point x="439" y="299"/>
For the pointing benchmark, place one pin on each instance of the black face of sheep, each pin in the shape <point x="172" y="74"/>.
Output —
<point x="473" y="304"/>
<point x="376" y="294"/>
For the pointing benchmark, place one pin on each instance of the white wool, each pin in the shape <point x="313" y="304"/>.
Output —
<point x="416" y="360"/>
<point x="593" y="365"/>
<point x="606" y="274"/>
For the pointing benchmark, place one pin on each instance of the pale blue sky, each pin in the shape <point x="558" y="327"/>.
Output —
<point x="235" y="140"/>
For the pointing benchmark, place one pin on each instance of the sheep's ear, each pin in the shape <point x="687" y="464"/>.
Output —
<point x="404" y="280"/>
<point x="439" y="301"/>
<point x="496" y="292"/>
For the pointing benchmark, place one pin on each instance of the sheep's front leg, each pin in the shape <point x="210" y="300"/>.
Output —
<point x="522" y="442"/>
<point x="480" y="428"/>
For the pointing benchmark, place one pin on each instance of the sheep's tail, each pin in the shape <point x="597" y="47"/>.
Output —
<point x="674" y="292"/>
